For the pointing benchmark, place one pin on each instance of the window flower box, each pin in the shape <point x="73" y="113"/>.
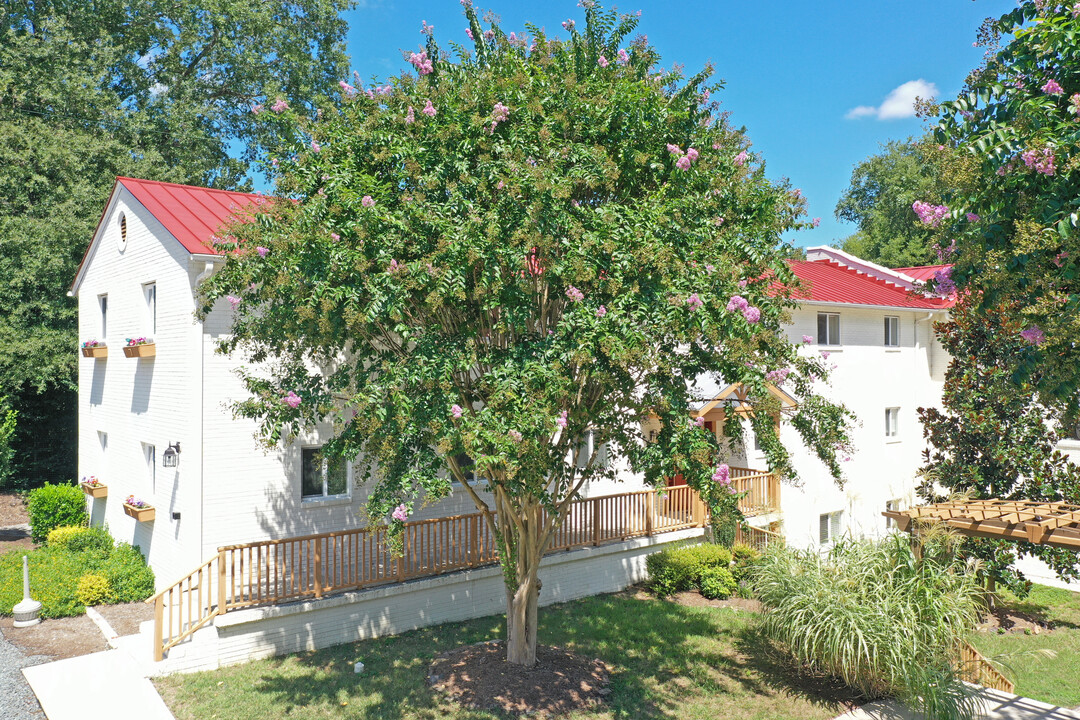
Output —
<point x="140" y="347"/>
<point x="141" y="510"/>
<point x="94" y="487"/>
<point x="94" y="349"/>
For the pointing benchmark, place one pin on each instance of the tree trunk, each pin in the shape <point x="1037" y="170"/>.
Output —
<point x="521" y="623"/>
<point x="523" y="585"/>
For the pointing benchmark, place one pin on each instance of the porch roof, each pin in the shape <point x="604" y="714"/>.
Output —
<point x="736" y="396"/>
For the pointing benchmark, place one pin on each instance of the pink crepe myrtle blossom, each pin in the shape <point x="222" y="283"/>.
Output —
<point x="1074" y="100"/>
<point x="567" y="24"/>
<point x="468" y="31"/>
<point x="693" y="154"/>
<point x="602" y="61"/>
<point x="256" y="109"/>
<point x="816" y="222"/>
<point x="562" y="422"/>
<point x="943" y="281"/>
<point x="347" y="88"/>
<point x="1052" y="88"/>
<point x="683" y="163"/>
<point x="752" y="314"/>
<point x="401" y="513"/>
<point x="741" y="158"/>
<point x="623" y="57"/>
<point x="262" y="251"/>
<point x="777" y="377"/>
<point x="456" y="410"/>
<point x="429" y="109"/>
<point x="601" y="311"/>
<point x="279" y="106"/>
<point x="807" y="339"/>
<point x="394" y="267"/>
<point x="722" y="475"/>
<point x="367" y="201"/>
<point x="699" y="421"/>
<point x="335" y="237"/>
<point x="825" y="354"/>
<point x="515" y="435"/>
<point x="928" y="214"/>
<point x="737" y="302"/>
<point x="674" y="150"/>
<point x="574" y="294"/>
<point x="694" y="302"/>
<point x="421" y="62"/>
<point x="292" y="400"/>
<point x="710" y="268"/>
<point x="499" y="113"/>
<point x="1059" y="259"/>
<point x="233" y="300"/>
<point x="315" y="147"/>
<point x="972" y="217"/>
<point x="1033" y="335"/>
<point x="410" y="116"/>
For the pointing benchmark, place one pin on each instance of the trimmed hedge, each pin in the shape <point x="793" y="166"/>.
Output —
<point x="53" y="506"/>
<point x="680" y="568"/>
<point x="717" y="583"/>
<point x="58" y="575"/>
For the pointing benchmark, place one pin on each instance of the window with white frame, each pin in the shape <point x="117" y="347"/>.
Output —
<point x="828" y="328"/>
<point x="892" y="422"/>
<point x="150" y="455"/>
<point x="150" y="295"/>
<point x="322" y="477"/>
<point x="891" y="506"/>
<point x="103" y="304"/>
<point x="892" y="331"/>
<point x="830" y="526"/>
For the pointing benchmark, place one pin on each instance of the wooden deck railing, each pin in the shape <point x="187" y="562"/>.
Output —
<point x="761" y="490"/>
<point x="755" y="537"/>
<point x="974" y="668"/>
<point x="311" y="566"/>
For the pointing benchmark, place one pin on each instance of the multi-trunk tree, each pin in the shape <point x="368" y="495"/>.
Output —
<point x="474" y="265"/>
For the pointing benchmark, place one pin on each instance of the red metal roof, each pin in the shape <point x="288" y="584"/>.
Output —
<point x="922" y="273"/>
<point x="192" y="214"/>
<point x="831" y="282"/>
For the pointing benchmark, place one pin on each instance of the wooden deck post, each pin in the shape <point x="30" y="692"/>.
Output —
<point x="650" y="507"/>
<point x="159" y="621"/>
<point x="318" y="567"/>
<point x="474" y="540"/>
<point x="595" y="521"/>
<point x="221" y="595"/>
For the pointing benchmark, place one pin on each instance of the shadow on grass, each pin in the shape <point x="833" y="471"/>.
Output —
<point x="664" y="657"/>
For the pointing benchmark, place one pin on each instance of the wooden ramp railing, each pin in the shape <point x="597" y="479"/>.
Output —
<point x="311" y="566"/>
<point x="974" y="668"/>
<point x="760" y="490"/>
<point x="757" y="538"/>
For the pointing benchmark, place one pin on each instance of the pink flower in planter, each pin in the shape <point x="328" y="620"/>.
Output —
<point x="292" y="400"/>
<point x="401" y="513"/>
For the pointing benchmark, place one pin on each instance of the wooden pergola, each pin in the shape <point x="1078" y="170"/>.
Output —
<point x="1054" y="524"/>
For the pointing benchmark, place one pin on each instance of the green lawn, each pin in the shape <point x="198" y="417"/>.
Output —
<point x="669" y="661"/>
<point x="1053" y="680"/>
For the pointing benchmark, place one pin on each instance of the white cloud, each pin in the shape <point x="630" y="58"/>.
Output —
<point x="900" y="103"/>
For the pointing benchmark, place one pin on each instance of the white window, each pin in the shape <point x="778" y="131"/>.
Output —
<point x="830" y="527"/>
<point x="892" y="422"/>
<point x="150" y="295"/>
<point x="891" y="506"/>
<point x="321" y="477"/>
<point x="150" y="453"/>
<point x="828" y="328"/>
<point x="892" y="331"/>
<point x="103" y="303"/>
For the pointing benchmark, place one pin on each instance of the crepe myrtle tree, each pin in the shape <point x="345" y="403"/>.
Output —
<point x="524" y="241"/>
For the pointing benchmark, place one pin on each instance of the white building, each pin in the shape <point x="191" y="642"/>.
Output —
<point x="152" y="247"/>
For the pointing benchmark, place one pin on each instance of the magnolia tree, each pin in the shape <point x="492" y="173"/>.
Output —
<point x="524" y="241"/>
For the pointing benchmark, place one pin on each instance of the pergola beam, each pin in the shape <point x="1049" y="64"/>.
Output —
<point x="1052" y="524"/>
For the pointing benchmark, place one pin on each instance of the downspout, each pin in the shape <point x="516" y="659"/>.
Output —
<point x="929" y="355"/>
<point x="208" y="270"/>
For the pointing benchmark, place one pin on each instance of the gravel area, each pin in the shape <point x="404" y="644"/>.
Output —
<point x="17" y="701"/>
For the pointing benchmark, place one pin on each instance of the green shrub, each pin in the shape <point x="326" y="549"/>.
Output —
<point x="52" y="506"/>
<point x="93" y="589"/>
<point x="77" y="539"/>
<point x="125" y="568"/>
<point x="717" y="583"/>
<point x="876" y="616"/>
<point x="55" y="573"/>
<point x="678" y="569"/>
<point x="743" y="558"/>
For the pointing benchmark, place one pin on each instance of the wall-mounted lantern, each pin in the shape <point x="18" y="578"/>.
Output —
<point x="171" y="457"/>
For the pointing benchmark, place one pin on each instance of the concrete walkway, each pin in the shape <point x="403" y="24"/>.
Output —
<point x="102" y="686"/>
<point x="996" y="705"/>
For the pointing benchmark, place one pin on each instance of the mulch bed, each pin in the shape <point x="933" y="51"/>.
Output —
<point x="1004" y="621"/>
<point x="478" y="677"/>
<point x="56" y="638"/>
<point x="12" y="510"/>
<point x="125" y="618"/>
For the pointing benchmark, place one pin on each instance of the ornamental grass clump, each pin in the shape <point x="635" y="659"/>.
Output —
<point x="875" y="615"/>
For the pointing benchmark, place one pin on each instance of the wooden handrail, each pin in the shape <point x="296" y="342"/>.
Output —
<point x="312" y="566"/>
<point x="974" y="668"/>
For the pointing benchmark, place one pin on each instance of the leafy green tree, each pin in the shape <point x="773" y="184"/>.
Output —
<point x="8" y="418"/>
<point x="993" y="439"/>
<point x="145" y="88"/>
<point x="491" y="258"/>
<point x="879" y="198"/>
<point x="1016" y="220"/>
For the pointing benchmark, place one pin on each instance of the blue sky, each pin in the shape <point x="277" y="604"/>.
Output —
<point x="795" y="71"/>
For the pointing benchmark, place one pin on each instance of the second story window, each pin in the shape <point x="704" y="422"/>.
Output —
<point x="150" y="294"/>
<point x="830" y="525"/>
<point x="103" y="304"/>
<point x="892" y="422"/>
<point x="828" y="328"/>
<point x="892" y="331"/>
